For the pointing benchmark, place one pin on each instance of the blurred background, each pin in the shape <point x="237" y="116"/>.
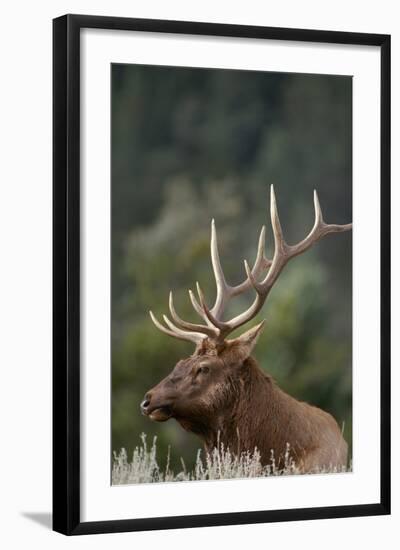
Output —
<point x="192" y="144"/>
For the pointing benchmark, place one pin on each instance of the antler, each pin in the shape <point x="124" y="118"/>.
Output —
<point x="216" y="328"/>
<point x="174" y="331"/>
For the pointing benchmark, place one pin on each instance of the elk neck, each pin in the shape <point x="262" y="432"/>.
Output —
<point x="251" y="409"/>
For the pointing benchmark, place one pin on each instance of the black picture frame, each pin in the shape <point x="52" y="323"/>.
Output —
<point x="66" y="273"/>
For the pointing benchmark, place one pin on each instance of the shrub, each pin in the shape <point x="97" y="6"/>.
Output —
<point x="221" y="463"/>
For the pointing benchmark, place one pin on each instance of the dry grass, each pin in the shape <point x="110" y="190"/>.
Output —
<point x="219" y="464"/>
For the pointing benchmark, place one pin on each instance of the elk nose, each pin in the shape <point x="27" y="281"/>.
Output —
<point x="144" y="404"/>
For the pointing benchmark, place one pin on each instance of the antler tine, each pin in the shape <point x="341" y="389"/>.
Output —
<point x="222" y="288"/>
<point x="317" y="209"/>
<point x="209" y="331"/>
<point x="195" y="337"/>
<point x="279" y="240"/>
<point x="261" y="262"/>
<point x="198" y="309"/>
<point x="319" y="230"/>
<point x="283" y="253"/>
<point x="198" y="336"/>
<point x="224" y="291"/>
<point x="220" y="325"/>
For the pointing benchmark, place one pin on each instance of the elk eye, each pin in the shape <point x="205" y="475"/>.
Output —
<point x="203" y="369"/>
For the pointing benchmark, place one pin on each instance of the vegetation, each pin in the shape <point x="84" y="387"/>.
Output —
<point x="192" y="144"/>
<point x="220" y="464"/>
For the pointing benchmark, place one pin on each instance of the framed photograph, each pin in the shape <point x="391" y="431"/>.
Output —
<point x="221" y="274"/>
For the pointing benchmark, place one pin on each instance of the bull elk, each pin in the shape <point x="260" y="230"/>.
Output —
<point x="220" y="393"/>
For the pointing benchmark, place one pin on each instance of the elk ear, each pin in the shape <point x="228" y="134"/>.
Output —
<point x="246" y="341"/>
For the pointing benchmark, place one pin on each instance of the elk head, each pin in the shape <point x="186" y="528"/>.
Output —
<point x="205" y="386"/>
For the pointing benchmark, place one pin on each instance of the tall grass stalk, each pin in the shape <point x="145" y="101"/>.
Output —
<point x="219" y="464"/>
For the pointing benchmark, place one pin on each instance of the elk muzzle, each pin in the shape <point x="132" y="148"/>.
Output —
<point x="155" y="408"/>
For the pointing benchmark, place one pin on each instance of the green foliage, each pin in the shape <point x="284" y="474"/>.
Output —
<point x="192" y="144"/>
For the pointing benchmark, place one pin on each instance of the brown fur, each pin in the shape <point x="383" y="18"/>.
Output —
<point x="223" y="396"/>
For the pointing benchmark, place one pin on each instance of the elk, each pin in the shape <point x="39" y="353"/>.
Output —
<point x="220" y="393"/>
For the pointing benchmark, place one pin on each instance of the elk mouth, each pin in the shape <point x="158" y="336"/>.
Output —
<point x="160" y="414"/>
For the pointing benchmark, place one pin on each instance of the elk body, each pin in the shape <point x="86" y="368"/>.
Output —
<point x="221" y="394"/>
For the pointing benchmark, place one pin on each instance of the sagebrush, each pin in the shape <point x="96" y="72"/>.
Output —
<point x="221" y="463"/>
